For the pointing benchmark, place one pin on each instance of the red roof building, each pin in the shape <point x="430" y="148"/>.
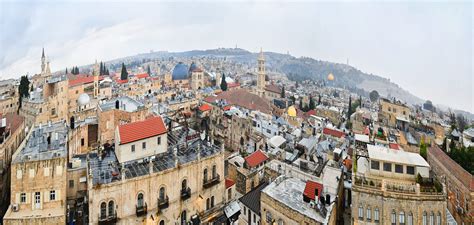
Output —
<point x="256" y="159"/>
<point x="394" y="146"/>
<point x="311" y="189"/>
<point x="122" y="81"/>
<point x="83" y="80"/>
<point x="205" y="107"/>
<point x="142" y="75"/>
<point x="229" y="183"/>
<point x="334" y="133"/>
<point x="140" y="130"/>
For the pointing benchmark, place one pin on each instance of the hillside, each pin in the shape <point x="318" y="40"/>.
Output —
<point x="301" y="68"/>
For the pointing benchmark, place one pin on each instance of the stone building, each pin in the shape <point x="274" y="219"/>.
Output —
<point x="394" y="187"/>
<point x="459" y="184"/>
<point x="183" y="184"/>
<point x="38" y="184"/>
<point x="247" y="172"/>
<point x="393" y="113"/>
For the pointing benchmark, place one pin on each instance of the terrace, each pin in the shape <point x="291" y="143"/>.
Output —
<point x="183" y="147"/>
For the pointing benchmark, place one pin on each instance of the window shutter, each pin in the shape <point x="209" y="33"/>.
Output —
<point x="17" y="198"/>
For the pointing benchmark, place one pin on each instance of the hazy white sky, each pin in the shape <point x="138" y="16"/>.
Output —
<point x="425" y="47"/>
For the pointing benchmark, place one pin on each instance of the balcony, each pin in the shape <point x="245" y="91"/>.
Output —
<point x="108" y="220"/>
<point x="185" y="193"/>
<point x="163" y="203"/>
<point x="141" y="210"/>
<point x="207" y="183"/>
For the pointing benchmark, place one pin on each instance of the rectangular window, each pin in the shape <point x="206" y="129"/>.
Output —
<point x="143" y="145"/>
<point x="53" y="111"/>
<point x="411" y="170"/>
<point x="376" y="215"/>
<point x="369" y="214"/>
<point x="398" y="168"/>
<point x="23" y="198"/>
<point x="82" y="142"/>
<point x="52" y="195"/>
<point x="133" y="148"/>
<point x="361" y="213"/>
<point x="375" y="165"/>
<point x="71" y="183"/>
<point x="37" y="197"/>
<point x="159" y="140"/>
<point x="387" y="167"/>
<point x="410" y="219"/>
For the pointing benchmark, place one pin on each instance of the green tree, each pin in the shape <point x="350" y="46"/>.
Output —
<point x="312" y="104"/>
<point x="124" y="73"/>
<point x="149" y="70"/>
<point x="319" y="99"/>
<point x="282" y="95"/>
<point x="223" y="83"/>
<point x="23" y="89"/>
<point x="374" y="96"/>
<point x="423" y="148"/>
<point x="66" y="70"/>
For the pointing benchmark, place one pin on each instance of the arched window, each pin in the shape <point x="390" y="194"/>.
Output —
<point x="361" y="212"/>
<point x="269" y="217"/>
<point x="214" y="171"/>
<point x="212" y="201"/>
<point x="184" y="184"/>
<point x="111" y="208"/>
<point x="280" y="222"/>
<point x="410" y="218"/>
<point x="425" y="222"/>
<point x="393" y="218"/>
<point x="438" y="219"/>
<point x="140" y="200"/>
<point x="401" y="218"/>
<point x="205" y="175"/>
<point x="431" y="218"/>
<point x="103" y="210"/>
<point x="208" y="204"/>
<point x="162" y="193"/>
<point x="376" y="215"/>
<point x="183" y="217"/>
<point x="368" y="214"/>
<point x="162" y="222"/>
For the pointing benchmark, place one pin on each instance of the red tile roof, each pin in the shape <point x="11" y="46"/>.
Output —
<point x="227" y="107"/>
<point x="310" y="189"/>
<point x="83" y="80"/>
<point x="233" y="85"/>
<point x="334" y="133"/>
<point x="273" y="88"/>
<point x="142" y="75"/>
<point x="255" y="158"/>
<point x="229" y="183"/>
<point x="394" y="146"/>
<point x="311" y="112"/>
<point x="242" y="98"/>
<point x="122" y="81"/>
<point x="140" y="130"/>
<point x="204" y="107"/>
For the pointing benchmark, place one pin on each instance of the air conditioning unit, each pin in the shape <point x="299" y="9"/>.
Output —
<point x="15" y="207"/>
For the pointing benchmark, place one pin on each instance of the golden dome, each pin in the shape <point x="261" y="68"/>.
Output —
<point x="330" y="76"/>
<point x="292" y="111"/>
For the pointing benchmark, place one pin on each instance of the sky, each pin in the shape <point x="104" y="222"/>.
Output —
<point x="425" y="47"/>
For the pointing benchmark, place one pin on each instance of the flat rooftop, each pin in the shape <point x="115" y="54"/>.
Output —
<point x="44" y="143"/>
<point x="289" y="191"/>
<point x="183" y="147"/>
<point x="396" y="156"/>
<point x="125" y="103"/>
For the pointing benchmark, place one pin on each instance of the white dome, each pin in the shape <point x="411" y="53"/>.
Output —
<point x="83" y="99"/>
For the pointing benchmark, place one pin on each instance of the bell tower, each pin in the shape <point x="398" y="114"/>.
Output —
<point x="96" y="74"/>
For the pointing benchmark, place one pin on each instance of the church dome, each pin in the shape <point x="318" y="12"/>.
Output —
<point x="83" y="99"/>
<point x="330" y="77"/>
<point x="180" y="72"/>
<point x="192" y="67"/>
<point x="292" y="111"/>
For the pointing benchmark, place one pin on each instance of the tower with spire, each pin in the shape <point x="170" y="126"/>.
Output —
<point x="261" y="74"/>
<point x="43" y="63"/>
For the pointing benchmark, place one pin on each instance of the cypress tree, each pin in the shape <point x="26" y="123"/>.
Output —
<point x="124" y="73"/>
<point x="223" y="83"/>
<point x="149" y="70"/>
<point x="282" y="95"/>
<point x="312" y="105"/>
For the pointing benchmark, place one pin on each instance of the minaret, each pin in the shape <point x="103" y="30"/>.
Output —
<point x="218" y="77"/>
<point x="261" y="75"/>
<point x="96" y="74"/>
<point x="43" y="63"/>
